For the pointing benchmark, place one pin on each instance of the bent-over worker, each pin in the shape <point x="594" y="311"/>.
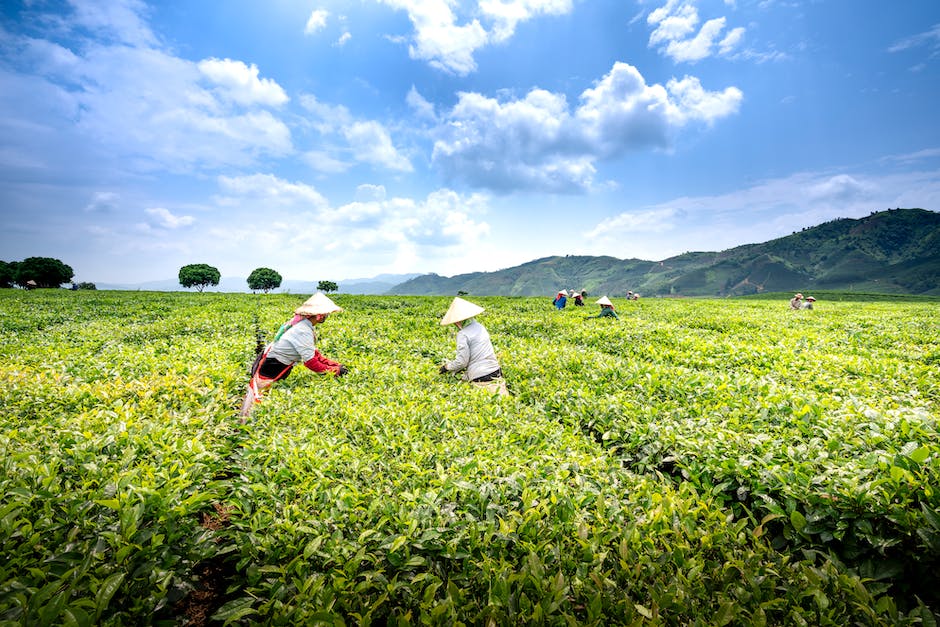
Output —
<point x="475" y="354"/>
<point x="295" y="342"/>
<point x="607" y="308"/>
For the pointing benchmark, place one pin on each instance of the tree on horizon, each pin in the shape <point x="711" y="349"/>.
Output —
<point x="327" y="286"/>
<point x="199" y="275"/>
<point x="264" y="279"/>
<point x="43" y="271"/>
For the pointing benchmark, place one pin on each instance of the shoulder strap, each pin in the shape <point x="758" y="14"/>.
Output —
<point x="286" y="326"/>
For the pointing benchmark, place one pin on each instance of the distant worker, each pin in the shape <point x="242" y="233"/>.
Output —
<point x="797" y="301"/>
<point x="607" y="309"/>
<point x="579" y="298"/>
<point x="561" y="299"/>
<point x="808" y="302"/>
<point x="475" y="357"/>
<point x="295" y="342"/>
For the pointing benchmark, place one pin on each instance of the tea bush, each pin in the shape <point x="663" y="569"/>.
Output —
<point x="698" y="462"/>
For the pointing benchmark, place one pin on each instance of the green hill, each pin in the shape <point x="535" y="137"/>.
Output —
<point x="890" y="252"/>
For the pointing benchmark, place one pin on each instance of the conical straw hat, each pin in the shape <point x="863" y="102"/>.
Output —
<point x="460" y="310"/>
<point x="603" y="300"/>
<point x="319" y="303"/>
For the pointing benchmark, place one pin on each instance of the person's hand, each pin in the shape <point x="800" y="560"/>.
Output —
<point x="342" y="370"/>
<point x="443" y="369"/>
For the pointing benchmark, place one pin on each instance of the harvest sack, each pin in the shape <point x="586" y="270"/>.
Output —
<point x="495" y="386"/>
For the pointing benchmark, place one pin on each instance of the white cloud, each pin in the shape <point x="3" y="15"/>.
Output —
<point x="49" y="57"/>
<point x="421" y="106"/>
<point x="444" y="219"/>
<point x="929" y="39"/>
<point x="102" y="202"/>
<point x="240" y="83"/>
<point x="627" y="224"/>
<point x="368" y="192"/>
<point x="700" y="46"/>
<point x="115" y="106"/>
<point x="316" y="21"/>
<point x="539" y="142"/>
<point x="268" y="190"/>
<point x="117" y="20"/>
<point x="841" y="187"/>
<point x="505" y="15"/>
<point x="324" y="162"/>
<point x="449" y="46"/>
<point x="674" y="24"/>
<point x="622" y="112"/>
<point x="371" y="143"/>
<point x="163" y="218"/>
<point x="764" y="211"/>
<point x="517" y="144"/>
<point x="146" y="102"/>
<point x="367" y="141"/>
<point x="927" y="153"/>
<point x="375" y="230"/>
<point x="697" y="104"/>
<point x="438" y="39"/>
<point x="326" y="118"/>
<point x="359" y="215"/>
<point x="343" y="39"/>
<point x="727" y="45"/>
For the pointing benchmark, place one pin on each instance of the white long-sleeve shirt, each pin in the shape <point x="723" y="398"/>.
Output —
<point x="298" y="344"/>
<point x="475" y="352"/>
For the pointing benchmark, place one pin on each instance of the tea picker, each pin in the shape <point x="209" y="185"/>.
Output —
<point x="607" y="309"/>
<point x="475" y="355"/>
<point x="295" y="342"/>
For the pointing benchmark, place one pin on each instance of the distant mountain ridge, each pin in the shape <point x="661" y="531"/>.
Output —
<point x="894" y="252"/>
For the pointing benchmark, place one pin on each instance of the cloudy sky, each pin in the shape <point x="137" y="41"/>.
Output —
<point x="344" y="139"/>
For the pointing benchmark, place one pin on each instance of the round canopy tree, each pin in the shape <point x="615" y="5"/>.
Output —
<point x="199" y="275"/>
<point x="327" y="286"/>
<point x="264" y="279"/>
<point x="43" y="271"/>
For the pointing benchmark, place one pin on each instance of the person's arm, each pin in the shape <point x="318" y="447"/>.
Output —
<point x="462" y="359"/>
<point x="304" y="339"/>
<point x="319" y="364"/>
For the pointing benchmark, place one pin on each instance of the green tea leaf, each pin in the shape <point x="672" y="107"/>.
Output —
<point x="106" y="592"/>
<point x="920" y="454"/>
<point x="797" y="520"/>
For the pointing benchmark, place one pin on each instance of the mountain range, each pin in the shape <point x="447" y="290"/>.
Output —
<point x="893" y="252"/>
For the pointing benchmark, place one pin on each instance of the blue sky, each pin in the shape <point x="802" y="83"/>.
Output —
<point x="336" y="140"/>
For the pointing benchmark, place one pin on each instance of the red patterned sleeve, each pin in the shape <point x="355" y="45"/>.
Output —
<point x="319" y="363"/>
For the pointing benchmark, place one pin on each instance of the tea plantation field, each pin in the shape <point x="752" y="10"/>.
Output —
<point x="698" y="462"/>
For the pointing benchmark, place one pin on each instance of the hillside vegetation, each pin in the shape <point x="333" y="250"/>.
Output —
<point x="891" y="252"/>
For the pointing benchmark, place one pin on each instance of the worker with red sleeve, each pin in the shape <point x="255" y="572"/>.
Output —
<point x="295" y="342"/>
